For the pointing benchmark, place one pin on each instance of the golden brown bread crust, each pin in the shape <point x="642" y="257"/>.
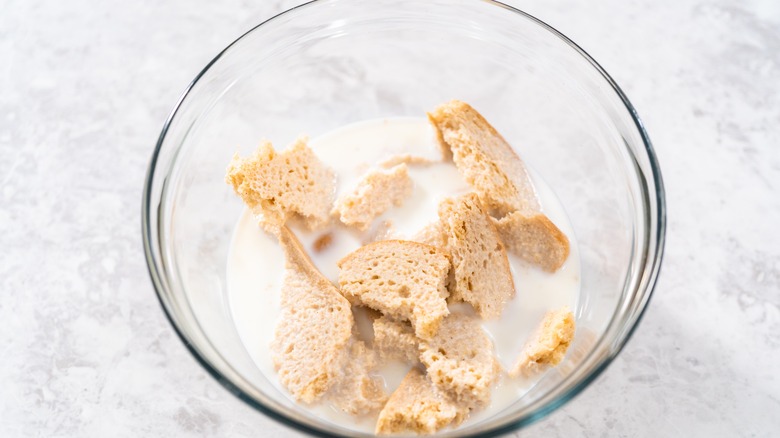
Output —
<point x="547" y="346"/>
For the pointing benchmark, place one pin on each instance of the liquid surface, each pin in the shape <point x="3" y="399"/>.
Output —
<point x="255" y="265"/>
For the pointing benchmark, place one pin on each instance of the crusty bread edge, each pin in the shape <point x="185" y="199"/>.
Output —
<point x="297" y="257"/>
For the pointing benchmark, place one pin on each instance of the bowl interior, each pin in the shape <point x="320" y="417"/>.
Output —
<point x="334" y="62"/>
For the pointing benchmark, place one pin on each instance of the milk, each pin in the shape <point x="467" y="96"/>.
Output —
<point x="255" y="263"/>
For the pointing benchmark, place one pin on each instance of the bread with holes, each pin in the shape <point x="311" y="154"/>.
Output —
<point x="314" y="329"/>
<point x="460" y="360"/>
<point x="402" y="279"/>
<point x="378" y="191"/>
<point x="280" y="185"/>
<point x="479" y="261"/>
<point x="418" y="407"/>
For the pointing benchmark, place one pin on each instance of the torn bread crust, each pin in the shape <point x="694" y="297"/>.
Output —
<point x="418" y="407"/>
<point x="403" y="279"/>
<point x="490" y="165"/>
<point x="314" y="329"/>
<point x="377" y="192"/>
<point x="482" y="276"/>
<point x="279" y="185"/>
<point x="547" y="346"/>
<point x="460" y="360"/>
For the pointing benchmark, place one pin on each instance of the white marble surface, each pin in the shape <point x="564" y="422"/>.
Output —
<point x="86" y="351"/>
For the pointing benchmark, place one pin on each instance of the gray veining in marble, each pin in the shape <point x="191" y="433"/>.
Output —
<point x="86" y="351"/>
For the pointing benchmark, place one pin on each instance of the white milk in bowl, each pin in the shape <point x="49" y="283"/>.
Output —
<point x="255" y="265"/>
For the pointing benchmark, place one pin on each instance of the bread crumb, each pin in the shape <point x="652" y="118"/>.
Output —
<point x="417" y="407"/>
<point x="322" y="242"/>
<point x="377" y="192"/>
<point x="547" y="346"/>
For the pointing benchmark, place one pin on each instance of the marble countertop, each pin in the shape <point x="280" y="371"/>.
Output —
<point x="85" y="349"/>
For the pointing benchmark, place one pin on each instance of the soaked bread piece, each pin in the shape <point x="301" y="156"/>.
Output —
<point x="356" y="391"/>
<point x="432" y="234"/>
<point x="460" y="360"/>
<point x="314" y="328"/>
<point x="402" y="279"/>
<point x="377" y="192"/>
<point x="395" y="340"/>
<point x="535" y="239"/>
<point x="485" y="159"/>
<point x="491" y="166"/>
<point x="548" y="345"/>
<point x="479" y="260"/>
<point x="279" y="185"/>
<point x="418" y="407"/>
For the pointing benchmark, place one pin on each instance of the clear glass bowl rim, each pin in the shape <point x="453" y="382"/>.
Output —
<point x="655" y="242"/>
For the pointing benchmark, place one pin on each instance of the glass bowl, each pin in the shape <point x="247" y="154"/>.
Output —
<point x="329" y="63"/>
